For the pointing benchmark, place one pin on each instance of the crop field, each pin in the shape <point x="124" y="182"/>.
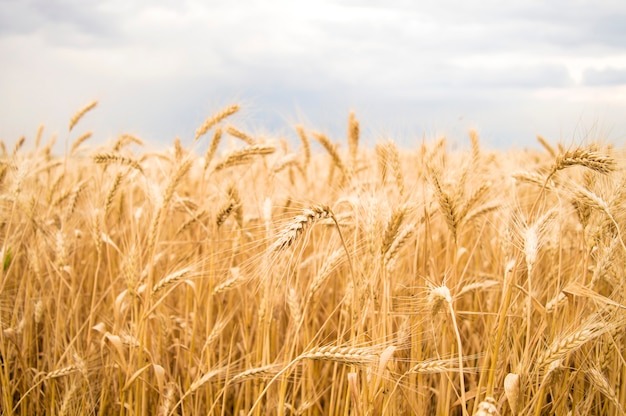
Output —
<point x="248" y="275"/>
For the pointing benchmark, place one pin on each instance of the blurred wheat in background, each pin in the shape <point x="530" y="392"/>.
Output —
<point x="239" y="275"/>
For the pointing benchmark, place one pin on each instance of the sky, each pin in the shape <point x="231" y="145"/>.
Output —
<point x="411" y="70"/>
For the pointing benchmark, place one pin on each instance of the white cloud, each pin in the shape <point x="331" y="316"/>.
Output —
<point x="160" y="67"/>
<point x="607" y="76"/>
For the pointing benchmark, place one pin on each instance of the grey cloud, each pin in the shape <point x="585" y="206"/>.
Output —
<point x="608" y="76"/>
<point x="516" y="77"/>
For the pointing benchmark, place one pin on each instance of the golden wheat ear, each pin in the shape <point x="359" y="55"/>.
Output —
<point x="214" y="119"/>
<point x="80" y="113"/>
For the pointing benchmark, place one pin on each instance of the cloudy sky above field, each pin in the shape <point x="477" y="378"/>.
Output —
<point x="409" y="69"/>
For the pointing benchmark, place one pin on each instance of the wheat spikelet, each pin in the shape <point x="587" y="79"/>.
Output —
<point x="215" y="142"/>
<point x="73" y="198"/>
<point x="175" y="180"/>
<point x="299" y="224"/>
<point x="38" y="312"/>
<point x="603" y="264"/>
<point x="353" y="138"/>
<point x="533" y="236"/>
<point x="244" y="155"/>
<point x="347" y="355"/>
<point x="214" y="119"/>
<point x="224" y="212"/>
<point x="167" y="400"/>
<point x="601" y="383"/>
<point x="584" y="156"/>
<point x="392" y="228"/>
<point x="201" y="381"/>
<point x="401" y="238"/>
<point x="233" y="193"/>
<point x="480" y="211"/>
<point x="512" y="391"/>
<point x="473" y="199"/>
<point x="475" y="144"/>
<point x="83" y="138"/>
<point x="229" y="283"/>
<point x="329" y="265"/>
<point x="196" y="217"/>
<point x="546" y="146"/>
<point x="240" y="135"/>
<point x="264" y="371"/>
<point x="114" y="188"/>
<point x="534" y="178"/>
<point x="306" y="145"/>
<point x="295" y="306"/>
<point x="594" y="201"/>
<point x="167" y="197"/>
<point x="571" y="342"/>
<point x="62" y="372"/>
<point x="447" y="203"/>
<point x="76" y="117"/>
<point x="49" y="146"/>
<point x="170" y="280"/>
<point x="332" y="151"/>
<point x="124" y="140"/>
<point x="178" y="150"/>
<point x="38" y="136"/>
<point x="553" y="304"/>
<point x="487" y="407"/>
<point x="216" y="331"/>
<point x="107" y="158"/>
<point x="284" y="162"/>
<point x="69" y="400"/>
<point x="389" y="162"/>
<point x="19" y="145"/>
<point x="432" y="367"/>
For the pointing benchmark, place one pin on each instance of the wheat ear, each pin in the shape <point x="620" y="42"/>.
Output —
<point x="240" y="135"/>
<point x="83" y="138"/>
<point x="244" y="155"/>
<point x="125" y="140"/>
<point x="78" y="115"/>
<point x="332" y="151"/>
<point x="215" y="142"/>
<point x="546" y="146"/>
<point x="107" y="158"/>
<point x="447" y="204"/>
<point x="584" y="156"/>
<point x="216" y="118"/>
<point x="353" y="138"/>
<point x="306" y="145"/>
<point x="299" y="224"/>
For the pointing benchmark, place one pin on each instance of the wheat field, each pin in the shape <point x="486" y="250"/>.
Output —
<point x="247" y="275"/>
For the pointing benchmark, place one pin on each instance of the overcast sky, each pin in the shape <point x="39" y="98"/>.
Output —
<point x="410" y="69"/>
